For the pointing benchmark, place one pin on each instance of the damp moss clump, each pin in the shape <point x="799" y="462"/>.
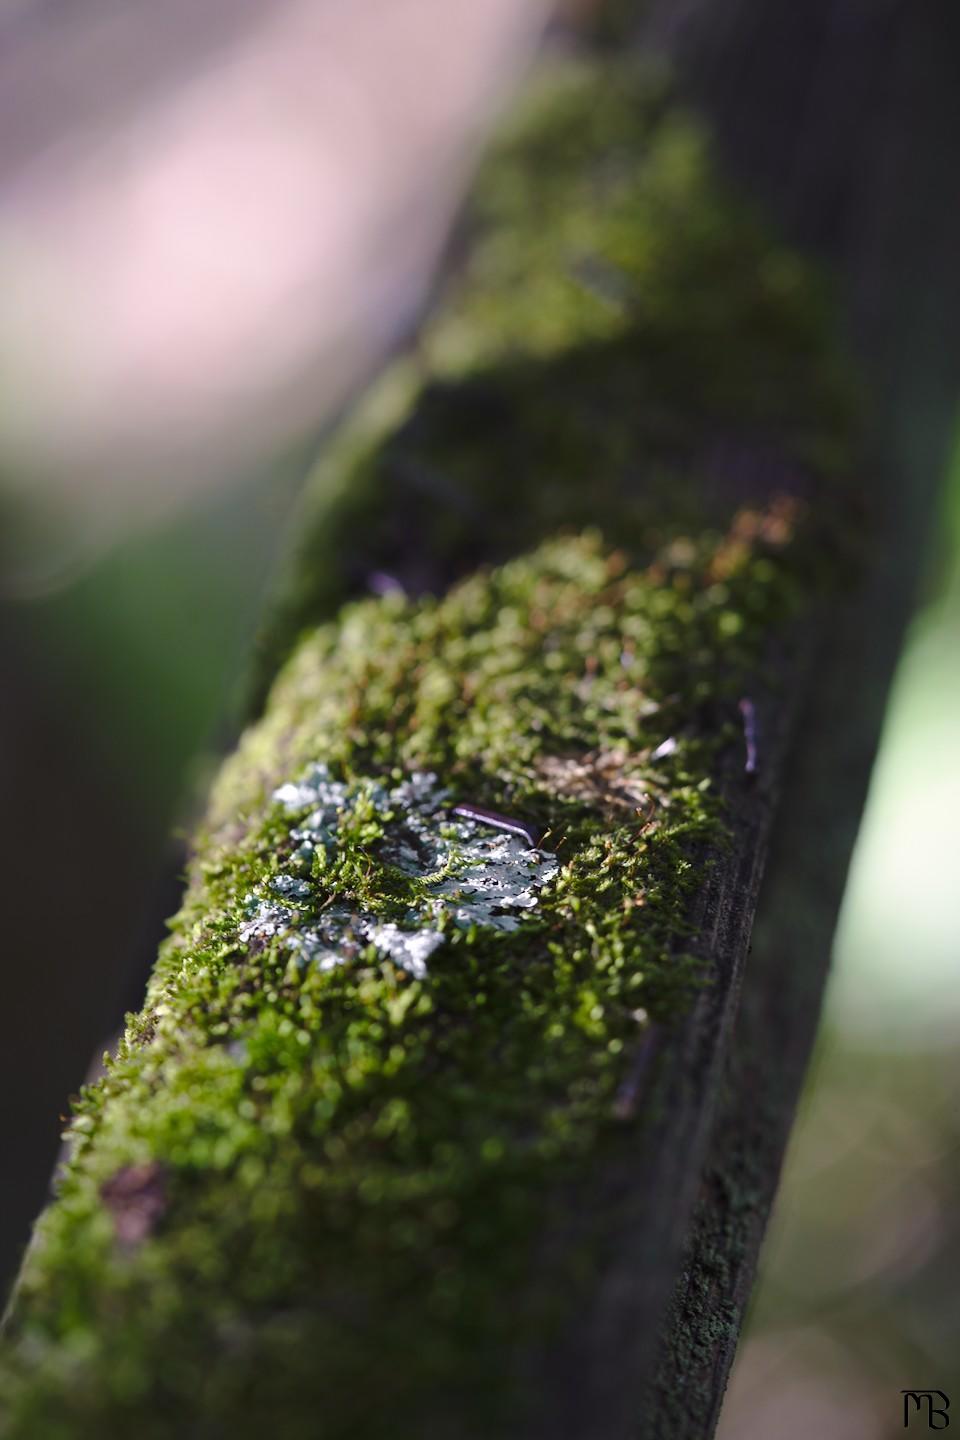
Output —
<point x="309" y="1193"/>
<point x="310" y="1182"/>
<point x="621" y="343"/>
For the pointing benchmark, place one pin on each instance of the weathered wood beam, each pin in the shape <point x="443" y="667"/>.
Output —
<point x="843" y="121"/>
<point x="410" y="1135"/>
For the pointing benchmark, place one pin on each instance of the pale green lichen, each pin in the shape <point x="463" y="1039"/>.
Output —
<point x="342" y="1151"/>
<point x="444" y="867"/>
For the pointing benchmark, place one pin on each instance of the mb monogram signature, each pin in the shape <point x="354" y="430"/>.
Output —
<point x="916" y="1401"/>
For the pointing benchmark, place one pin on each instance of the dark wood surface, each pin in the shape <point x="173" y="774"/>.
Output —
<point x="842" y="121"/>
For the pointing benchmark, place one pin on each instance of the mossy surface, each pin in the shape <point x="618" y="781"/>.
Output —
<point x="307" y="1194"/>
<point x="622" y="344"/>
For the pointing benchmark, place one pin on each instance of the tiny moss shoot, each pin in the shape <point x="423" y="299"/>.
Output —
<point x="307" y="1193"/>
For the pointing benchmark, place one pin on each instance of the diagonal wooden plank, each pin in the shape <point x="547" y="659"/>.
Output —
<point x="407" y="1094"/>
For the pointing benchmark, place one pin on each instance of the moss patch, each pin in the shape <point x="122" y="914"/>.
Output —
<point x="354" y="1159"/>
<point x="307" y="1192"/>
<point x="622" y="344"/>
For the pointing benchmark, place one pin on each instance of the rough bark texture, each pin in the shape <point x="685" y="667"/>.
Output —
<point x="422" y="1155"/>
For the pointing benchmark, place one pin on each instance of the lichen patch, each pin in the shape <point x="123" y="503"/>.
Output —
<point x="450" y="871"/>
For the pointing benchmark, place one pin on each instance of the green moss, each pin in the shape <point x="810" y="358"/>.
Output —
<point x="620" y="328"/>
<point x="354" y="1160"/>
<point x="309" y="1196"/>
